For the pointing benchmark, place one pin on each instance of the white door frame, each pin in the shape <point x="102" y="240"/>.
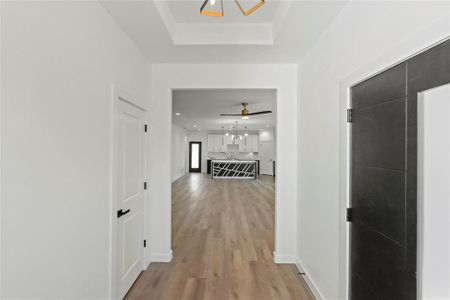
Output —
<point x="424" y="40"/>
<point x="120" y="94"/>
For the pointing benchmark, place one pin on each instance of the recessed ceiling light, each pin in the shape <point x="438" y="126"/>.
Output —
<point x="177" y="114"/>
<point x="194" y="126"/>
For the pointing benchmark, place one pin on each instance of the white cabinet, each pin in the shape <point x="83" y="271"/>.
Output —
<point x="210" y="143"/>
<point x="226" y="140"/>
<point x="250" y="143"/>
<point x="242" y="146"/>
<point x="218" y="143"/>
<point x="215" y="143"/>
<point x="254" y="143"/>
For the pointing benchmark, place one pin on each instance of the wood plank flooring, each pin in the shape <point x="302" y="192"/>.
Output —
<point x="222" y="239"/>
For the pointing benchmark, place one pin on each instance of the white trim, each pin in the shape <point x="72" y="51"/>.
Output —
<point x="1" y="130"/>
<point x="119" y="93"/>
<point x="427" y="38"/>
<point x="283" y="259"/>
<point x="161" y="257"/>
<point x="309" y="281"/>
<point x="420" y="190"/>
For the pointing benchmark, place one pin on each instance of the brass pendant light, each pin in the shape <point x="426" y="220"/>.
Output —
<point x="219" y="13"/>
<point x="211" y="13"/>
<point x="251" y="9"/>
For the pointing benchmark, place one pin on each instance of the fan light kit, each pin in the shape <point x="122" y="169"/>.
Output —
<point x="213" y="11"/>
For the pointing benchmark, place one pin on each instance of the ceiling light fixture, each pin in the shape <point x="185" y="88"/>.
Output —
<point x="252" y="9"/>
<point x="194" y="126"/>
<point x="214" y="11"/>
<point x="177" y="114"/>
<point x="245" y="114"/>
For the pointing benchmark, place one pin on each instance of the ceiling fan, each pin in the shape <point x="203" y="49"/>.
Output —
<point x="245" y="114"/>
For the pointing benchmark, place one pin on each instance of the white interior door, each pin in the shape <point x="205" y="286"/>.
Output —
<point x="266" y="157"/>
<point x="130" y="194"/>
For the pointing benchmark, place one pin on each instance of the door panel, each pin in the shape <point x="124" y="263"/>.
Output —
<point x="130" y="168"/>
<point x="195" y="157"/>
<point x="379" y="135"/>
<point x="378" y="184"/>
<point x="266" y="156"/>
<point x="383" y="87"/>
<point x="383" y="231"/>
<point x="380" y="192"/>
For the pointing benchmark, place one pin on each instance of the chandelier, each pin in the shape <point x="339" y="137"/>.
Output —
<point x="215" y="9"/>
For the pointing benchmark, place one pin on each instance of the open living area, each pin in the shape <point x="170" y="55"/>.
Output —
<point x="225" y="149"/>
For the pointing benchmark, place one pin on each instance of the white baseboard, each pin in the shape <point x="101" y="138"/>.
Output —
<point x="309" y="281"/>
<point x="161" y="257"/>
<point x="147" y="264"/>
<point x="283" y="259"/>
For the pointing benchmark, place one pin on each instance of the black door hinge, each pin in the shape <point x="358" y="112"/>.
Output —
<point x="145" y="243"/>
<point x="145" y="128"/>
<point x="349" y="115"/>
<point x="145" y="185"/>
<point x="349" y="214"/>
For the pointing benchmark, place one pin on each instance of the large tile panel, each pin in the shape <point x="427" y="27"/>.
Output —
<point x="379" y="135"/>
<point x="379" y="262"/>
<point x="386" y="86"/>
<point x="378" y="201"/>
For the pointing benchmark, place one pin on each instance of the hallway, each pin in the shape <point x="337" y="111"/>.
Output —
<point x="222" y="237"/>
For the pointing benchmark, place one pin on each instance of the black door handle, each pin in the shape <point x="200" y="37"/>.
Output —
<point x="121" y="213"/>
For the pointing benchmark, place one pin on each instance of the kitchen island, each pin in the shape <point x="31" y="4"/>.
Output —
<point x="223" y="168"/>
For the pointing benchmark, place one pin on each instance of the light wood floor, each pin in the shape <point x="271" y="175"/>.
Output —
<point x="222" y="239"/>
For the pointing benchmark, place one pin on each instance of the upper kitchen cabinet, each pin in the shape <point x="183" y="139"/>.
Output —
<point x="249" y="143"/>
<point x="252" y="143"/>
<point x="215" y="143"/>
<point x="218" y="143"/>
<point x="255" y="143"/>
<point x="226" y="140"/>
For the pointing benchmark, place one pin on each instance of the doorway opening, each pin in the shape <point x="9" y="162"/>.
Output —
<point x="223" y="202"/>
<point x="195" y="157"/>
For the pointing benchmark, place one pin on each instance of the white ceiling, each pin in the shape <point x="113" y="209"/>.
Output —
<point x="202" y="108"/>
<point x="174" y="31"/>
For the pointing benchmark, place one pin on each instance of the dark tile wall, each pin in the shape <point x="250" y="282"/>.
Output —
<point x="384" y="175"/>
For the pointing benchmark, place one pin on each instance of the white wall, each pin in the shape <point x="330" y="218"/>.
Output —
<point x="360" y="33"/>
<point x="434" y="194"/>
<point x="58" y="62"/>
<point x="280" y="77"/>
<point x="267" y="135"/>
<point x="179" y="148"/>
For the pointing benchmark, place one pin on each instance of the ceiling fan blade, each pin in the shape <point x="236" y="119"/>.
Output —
<point x="227" y="115"/>
<point x="260" y="112"/>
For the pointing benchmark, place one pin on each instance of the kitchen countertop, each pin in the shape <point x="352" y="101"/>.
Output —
<point x="233" y="161"/>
